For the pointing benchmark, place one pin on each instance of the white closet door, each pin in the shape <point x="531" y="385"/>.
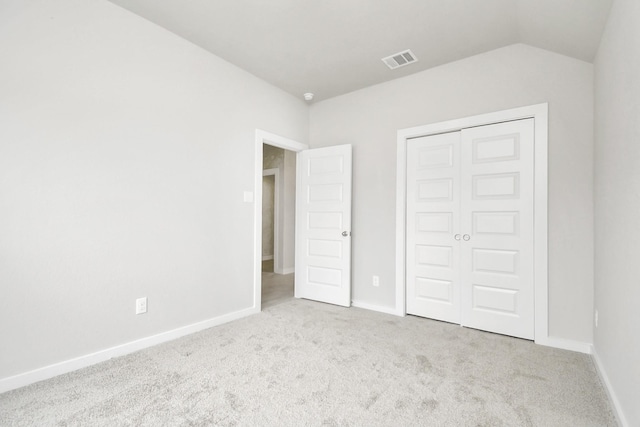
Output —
<point x="497" y="256"/>
<point x="433" y="206"/>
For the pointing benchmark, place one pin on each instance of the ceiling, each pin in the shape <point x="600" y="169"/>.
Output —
<point x="331" y="47"/>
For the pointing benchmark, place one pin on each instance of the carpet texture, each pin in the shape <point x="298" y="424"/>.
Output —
<point x="301" y="363"/>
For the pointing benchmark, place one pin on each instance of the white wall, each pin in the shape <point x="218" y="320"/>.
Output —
<point x="617" y="214"/>
<point x="513" y="76"/>
<point x="111" y="184"/>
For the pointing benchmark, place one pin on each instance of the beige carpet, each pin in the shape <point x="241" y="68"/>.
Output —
<point x="301" y="363"/>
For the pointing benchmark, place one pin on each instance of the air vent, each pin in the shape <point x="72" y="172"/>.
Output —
<point x="400" y="59"/>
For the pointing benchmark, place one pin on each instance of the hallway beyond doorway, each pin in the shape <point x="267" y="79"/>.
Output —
<point x="276" y="288"/>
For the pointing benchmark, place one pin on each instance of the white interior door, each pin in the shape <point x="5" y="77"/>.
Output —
<point x="433" y="217"/>
<point x="497" y="226"/>
<point x="470" y="213"/>
<point x="323" y="225"/>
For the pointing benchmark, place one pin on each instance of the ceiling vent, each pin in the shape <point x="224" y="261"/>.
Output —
<point x="400" y="59"/>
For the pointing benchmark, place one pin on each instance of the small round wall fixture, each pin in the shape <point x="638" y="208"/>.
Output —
<point x="308" y="96"/>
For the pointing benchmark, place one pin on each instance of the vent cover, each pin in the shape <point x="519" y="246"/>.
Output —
<point x="400" y="59"/>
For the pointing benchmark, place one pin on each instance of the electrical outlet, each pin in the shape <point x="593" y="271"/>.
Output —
<point x="376" y="281"/>
<point x="596" y="318"/>
<point x="141" y="305"/>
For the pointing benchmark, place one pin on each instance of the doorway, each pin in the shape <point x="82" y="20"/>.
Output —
<point x="278" y="224"/>
<point x="279" y="153"/>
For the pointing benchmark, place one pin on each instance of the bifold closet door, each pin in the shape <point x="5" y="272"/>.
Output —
<point x="433" y="215"/>
<point x="469" y="231"/>
<point x="497" y="292"/>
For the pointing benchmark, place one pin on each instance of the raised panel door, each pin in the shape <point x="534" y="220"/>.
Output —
<point x="433" y="206"/>
<point x="323" y="225"/>
<point x="497" y="187"/>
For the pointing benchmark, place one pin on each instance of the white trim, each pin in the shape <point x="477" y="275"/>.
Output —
<point x="540" y="221"/>
<point x="539" y="113"/>
<point x="275" y="172"/>
<point x="613" y="398"/>
<point x="44" y="373"/>
<point x="287" y="270"/>
<point x="561" y="343"/>
<point x="261" y="138"/>
<point x="372" y="307"/>
<point x="279" y="141"/>
<point x="401" y="223"/>
<point x="267" y="257"/>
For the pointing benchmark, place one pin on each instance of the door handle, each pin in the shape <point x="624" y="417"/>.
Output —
<point x="457" y="237"/>
<point x="346" y="233"/>
<point x="466" y="237"/>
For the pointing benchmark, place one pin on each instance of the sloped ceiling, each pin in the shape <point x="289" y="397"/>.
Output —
<point x="331" y="47"/>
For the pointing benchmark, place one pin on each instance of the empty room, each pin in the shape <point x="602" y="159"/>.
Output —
<point x="294" y="212"/>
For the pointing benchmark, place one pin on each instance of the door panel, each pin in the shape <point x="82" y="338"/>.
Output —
<point x="433" y="206"/>
<point x="497" y="216"/>
<point x="470" y="227"/>
<point x="323" y="214"/>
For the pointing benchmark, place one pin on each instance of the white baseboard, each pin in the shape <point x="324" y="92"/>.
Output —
<point x="564" y="344"/>
<point x="267" y="257"/>
<point x="46" y="372"/>
<point x="372" y="307"/>
<point x="613" y="398"/>
<point x="287" y="270"/>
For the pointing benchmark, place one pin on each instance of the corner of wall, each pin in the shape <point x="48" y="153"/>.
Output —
<point x="613" y="398"/>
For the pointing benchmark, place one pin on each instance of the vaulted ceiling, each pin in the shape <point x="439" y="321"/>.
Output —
<point x="331" y="47"/>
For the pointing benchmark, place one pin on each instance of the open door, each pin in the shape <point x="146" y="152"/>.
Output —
<point x="323" y="225"/>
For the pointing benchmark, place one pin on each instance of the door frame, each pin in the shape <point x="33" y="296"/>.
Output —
<point x="263" y="137"/>
<point x="539" y="113"/>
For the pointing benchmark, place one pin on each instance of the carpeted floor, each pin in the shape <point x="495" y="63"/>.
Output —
<point x="301" y="363"/>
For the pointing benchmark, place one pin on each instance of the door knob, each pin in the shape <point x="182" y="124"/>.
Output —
<point x="466" y="237"/>
<point x="457" y="237"/>
<point x="345" y="233"/>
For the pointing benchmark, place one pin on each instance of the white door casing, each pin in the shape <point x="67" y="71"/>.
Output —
<point x="261" y="138"/>
<point x="433" y="217"/>
<point x="323" y="225"/>
<point x="470" y="227"/>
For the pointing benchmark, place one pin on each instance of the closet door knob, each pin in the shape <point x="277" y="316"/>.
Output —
<point x="466" y="237"/>
<point x="457" y="237"/>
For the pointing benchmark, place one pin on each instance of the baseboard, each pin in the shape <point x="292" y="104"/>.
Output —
<point x="44" y="373"/>
<point x="267" y="257"/>
<point x="288" y="270"/>
<point x="613" y="398"/>
<point x="372" y="307"/>
<point x="564" y="344"/>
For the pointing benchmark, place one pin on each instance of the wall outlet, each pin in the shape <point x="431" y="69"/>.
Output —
<point x="141" y="305"/>
<point x="376" y="281"/>
<point x="595" y="317"/>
